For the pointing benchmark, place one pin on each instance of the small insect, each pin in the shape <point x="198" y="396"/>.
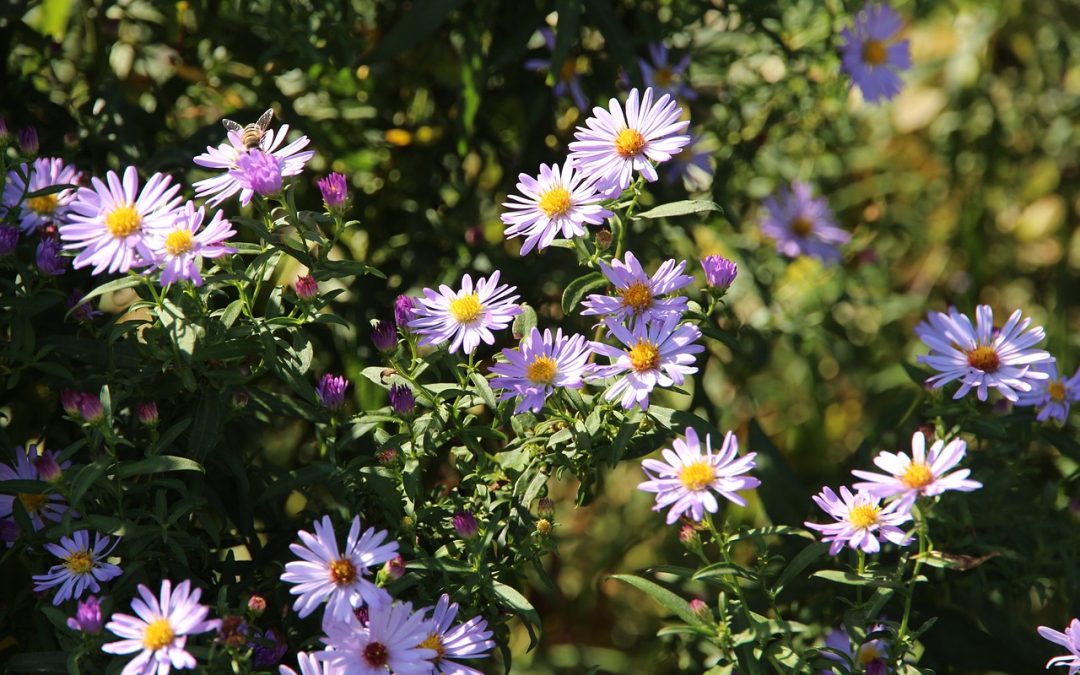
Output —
<point x="252" y="134"/>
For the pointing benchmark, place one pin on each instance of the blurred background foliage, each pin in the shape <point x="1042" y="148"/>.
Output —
<point x="963" y="190"/>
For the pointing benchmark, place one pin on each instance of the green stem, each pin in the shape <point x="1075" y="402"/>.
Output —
<point x="924" y="541"/>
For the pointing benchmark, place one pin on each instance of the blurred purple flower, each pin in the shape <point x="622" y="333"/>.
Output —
<point x="335" y="190"/>
<point x="566" y="78"/>
<point x="404" y="310"/>
<point x="9" y="239"/>
<point x="384" y="336"/>
<point x="258" y="171"/>
<point x="803" y="224"/>
<point x="81" y="311"/>
<point x="664" y="77"/>
<point x="49" y="260"/>
<point x="465" y="524"/>
<point x="872" y="56"/>
<point x="267" y="648"/>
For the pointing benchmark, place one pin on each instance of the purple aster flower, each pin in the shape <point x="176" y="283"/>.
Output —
<point x="637" y="298"/>
<point x="920" y="475"/>
<point x="1070" y="640"/>
<point x="803" y="224"/>
<point x="288" y="160"/>
<point x="465" y="524"/>
<point x="567" y="79"/>
<point x="267" y="648"/>
<point x="9" y="239"/>
<point x="310" y="665"/>
<point x="719" y="271"/>
<point x="82" y="312"/>
<point x="28" y="140"/>
<point x="326" y="573"/>
<point x="106" y="223"/>
<point x="44" y="172"/>
<point x="469" y="640"/>
<point x="873" y="655"/>
<point x="1053" y="396"/>
<point x="555" y="202"/>
<point x="335" y="191"/>
<point x="179" y="247"/>
<point x="465" y="317"/>
<point x="694" y="165"/>
<point x="49" y="261"/>
<point x="87" y="617"/>
<point x="384" y="336"/>
<point x="259" y="172"/>
<point x="401" y="399"/>
<point x="532" y="371"/>
<point x="660" y="353"/>
<point x="306" y="287"/>
<point x="404" y="310"/>
<point x="82" y="568"/>
<point x="391" y="638"/>
<point x="860" y="520"/>
<point x="159" y="632"/>
<point x="40" y="506"/>
<point x="664" y="77"/>
<point x="981" y="357"/>
<point x="687" y="479"/>
<point x="872" y="55"/>
<point x="331" y="391"/>
<point x="612" y="145"/>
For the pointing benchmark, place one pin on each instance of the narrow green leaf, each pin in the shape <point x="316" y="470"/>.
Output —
<point x="159" y="464"/>
<point x="800" y="562"/>
<point x="576" y="290"/>
<point x="667" y="599"/>
<point x="683" y="208"/>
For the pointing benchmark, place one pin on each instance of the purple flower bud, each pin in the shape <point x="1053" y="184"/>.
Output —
<point x="47" y="467"/>
<point x="82" y="312"/>
<point x="87" y="617"/>
<point x="267" y="649"/>
<point x="331" y="391"/>
<point x="335" y="191"/>
<point x="404" y="311"/>
<point x="147" y="413"/>
<point x="719" y="271"/>
<point x="465" y="524"/>
<point x="395" y="567"/>
<point x="90" y="408"/>
<point x="69" y="401"/>
<point x="9" y="531"/>
<point x="402" y="399"/>
<point x="49" y="260"/>
<point x="28" y="140"/>
<point x="259" y="171"/>
<point x="9" y="239"/>
<point x="545" y="507"/>
<point x="306" y="287"/>
<point x="384" y="335"/>
<point x="698" y="606"/>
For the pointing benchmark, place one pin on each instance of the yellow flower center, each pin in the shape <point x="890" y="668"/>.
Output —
<point x="644" y="356"/>
<point x="697" y="476"/>
<point x="43" y="206"/>
<point x="31" y="502"/>
<point x="555" y="202"/>
<point x="1056" y="391"/>
<point x="159" y="635"/>
<point x="434" y="642"/>
<point x="869" y="653"/>
<point x="874" y="52"/>
<point x="123" y="221"/>
<point x="466" y="308"/>
<point x="863" y="516"/>
<point x="542" y="370"/>
<point x="80" y="562"/>
<point x="663" y="76"/>
<point x="342" y="572"/>
<point x="917" y="476"/>
<point x="179" y="242"/>
<point x="628" y="143"/>
<point x="637" y="296"/>
<point x="984" y="358"/>
<point x="802" y="226"/>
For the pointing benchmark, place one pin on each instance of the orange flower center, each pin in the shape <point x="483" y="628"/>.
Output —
<point x="159" y="634"/>
<point x="1056" y="391"/>
<point x="43" y="206"/>
<point x="569" y="69"/>
<point x="32" y="502"/>
<point x="984" y="358"/>
<point x="542" y="370"/>
<point x="802" y="226"/>
<point x="342" y="572"/>
<point x="917" y="476"/>
<point x="434" y="642"/>
<point x="555" y="202"/>
<point x="123" y="221"/>
<point x="697" y="476"/>
<point x="874" y="52"/>
<point x="644" y="356"/>
<point x="869" y="653"/>
<point x="628" y="143"/>
<point x="637" y="296"/>
<point x="863" y="516"/>
<point x="80" y="562"/>
<point x="466" y="308"/>
<point x="663" y="76"/>
<point x="179" y="242"/>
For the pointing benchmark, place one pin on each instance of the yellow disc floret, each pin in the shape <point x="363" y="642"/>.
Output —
<point x="159" y="634"/>
<point x="874" y="52"/>
<point x="697" y="476"/>
<point x="863" y="516"/>
<point x="637" y="296"/>
<point x="123" y="221"/>
<point x="434" y="642"/>
<point x="917" y="476"/>
<point x="342" y="572"/>
<point x="644" y="356"/>
<point x="802" y="226"/>
<point x="467" y="308"/>
<point x="43" y="206"/>
<point x="32" y="502"/>
<point x="80" y="562"/>
<point x="542" y="370"/>
<point x="1056" y="391"/>
<point x="629" y="143"/>
<point x="984" y="358"/>
<point x="555" y="202"/>
<point x="179" y="242"/>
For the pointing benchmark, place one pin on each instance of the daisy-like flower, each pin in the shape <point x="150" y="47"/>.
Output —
<point x="555" y="202"/>
<point x="694" y="165"/>
<point x="687" y="479"/>
<point x="469" y="640"/>
<point x="860" y="520"/>
<point x="872" y="55"/>
<point x="665" y="77"/>
<point x="873" y="655"/>
<point x="637" y="295"/>
<point x="160" y="630"/>
<point x="40" y="506"/>
<point x="1054" y="396"/>
<point x="1070" y="640"/>
<point x="311" y="665"/>
<point x="45" y="172"/>
<point x="612" y="145"/>
<point x="542" y="362"/>
<point x="567" y="80"/>
<point x="803" y="224"/>
<point x="107" y="223"/>
<point x="179" y="247"/>
<point x="921" y="474"/>
<point x="326" y="573"/>
<point x="654" y="354"/>
<point x="981" y="357"/>
<point x="83" y="567"/>
<point x="465" y="317"/>
<point x="226" y="157"/>
<point x="391" y="638"/>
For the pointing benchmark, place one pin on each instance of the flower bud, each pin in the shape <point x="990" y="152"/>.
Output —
<point x="28" y="140"/>
<point x="384" y="336"/>
<point x="698" y="606"/>
<point x="465" y="524"/>
<point x="47" y="467"/>
<point x="331" y="391"/>
<point x="147" y="413"/>
<point x="387" y="456"/>
<point x="9" y="239"/>
<point x="69" y="401"/>
<point x="395" y="567"/>
<point x="335" y="191"/>
<point x="49" y="261"/>
<point x="545" y="508"/>
<point x="306" y="287"/>
<point x="240" y="399"/>
<point x="402" y="400"/>
<point x="404" y="311"/>
<point x="88" y="618"/>
<point x="604" y="239"/>
<point x="256" y="604"/>
<point x="90" y="408"/>
<point x="719" y="272"/>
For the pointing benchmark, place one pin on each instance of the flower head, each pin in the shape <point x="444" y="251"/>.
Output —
<point x="338" y="577"/>
<point x="665" y="77"/>
<point x="306" y="287"/>
<point x="395" y="567"/>
<point x="860" y="520"/>
<point x="107" y="223"/>
<point x="542" y="362"/>
<point x="179" y="247"/>
<point x="87" y="617"/>
<point x="256" y="604"/>
<point x="468" y="640"/>
<point x="402" y="399"/>
<point x="1054" y="396"/>
<point x="719" y="271"/>
<point x="82" y="568"/>
<point x="637" y="296"/>
<point x="391" y="638"/>
<point x="48" y="258"/>
<point x="567" y="77"/>
<point x="28" y="140"/>
<point x="1070" y="640"/>
<point x="654" y="354"/>
<point x="803" y="224"/>
<point x="49" y="470"/>
<point x="384" y="336"/>
<point x="981" y="357"/>
<point x="613" y="144"/>
<point x="90" y="408"/>
<point x="404" y="310"/>
<point x="44" y="172"/>
<point x="311" y="665"/>
<point x="160" y="630"/>
<point x="872" y="654"/>
<point x="287" y="161"/>
<point x="147" y="413"/>
<point x="872" y="55"/>
<point x="921" y="474"/>
<point x="687" y="479"/>
<point x="40" y="506"/>
<point x="465" y="524"/>
<point x="555" y="202"/>
<point x="465" y="317"/>
<point x="331" y="391"/>
<point x="335" y="191"/>
<point x="259" y="172"/>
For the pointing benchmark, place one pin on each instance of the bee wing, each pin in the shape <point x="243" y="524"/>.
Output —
<point x="264" y="120"/>
<point x="232" y="126"/>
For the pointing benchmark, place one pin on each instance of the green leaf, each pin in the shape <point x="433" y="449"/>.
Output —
<point x="576" y="290"/>
<point x="14" y="487"/>
<point x="38" y="662"/>
<point x="419" y="21"/>
<point x="114" y="285"/>
<point x="667" y="599"/>
<point x="52" y="189"/>
<point x="852" y="579"/>
<point x="518" y="604"/>
<point x="524" y="322"/>
<point x="160" y="464"/>
<point x="87" y="476"/>
<point x="800" y="562"/>
<point x="683" y="208"/>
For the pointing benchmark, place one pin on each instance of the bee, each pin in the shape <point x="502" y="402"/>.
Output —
<point x="252" y="134"/>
